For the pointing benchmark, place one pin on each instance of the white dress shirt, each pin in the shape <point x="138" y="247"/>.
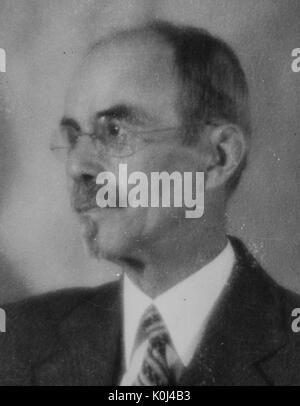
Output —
<point x="184" y="308"/>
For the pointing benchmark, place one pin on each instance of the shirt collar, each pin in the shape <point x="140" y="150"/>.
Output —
<point x="184" y="308"/>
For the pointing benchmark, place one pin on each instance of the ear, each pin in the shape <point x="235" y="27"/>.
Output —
<point x="229" y="148"/>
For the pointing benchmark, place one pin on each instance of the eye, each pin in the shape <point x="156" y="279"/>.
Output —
<point x="117" y="132"/>
<point x="114" y="129"/>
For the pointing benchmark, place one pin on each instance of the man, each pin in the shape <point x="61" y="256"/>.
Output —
<point x="193" y="306"/>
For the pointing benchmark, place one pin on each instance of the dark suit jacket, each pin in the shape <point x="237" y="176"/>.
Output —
<point x="74" y="337"/>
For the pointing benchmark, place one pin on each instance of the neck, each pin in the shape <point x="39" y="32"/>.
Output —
<point x="173" y="261"/>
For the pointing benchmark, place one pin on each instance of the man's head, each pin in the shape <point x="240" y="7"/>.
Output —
<point x="157" y="77"/>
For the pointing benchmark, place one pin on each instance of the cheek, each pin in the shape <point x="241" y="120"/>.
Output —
<point x="163" y="218"/>
<point x="158" y="220"/>
<point x="166" y="158"/>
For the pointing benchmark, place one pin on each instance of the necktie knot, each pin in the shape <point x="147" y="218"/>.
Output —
<point x="153" y="328"/>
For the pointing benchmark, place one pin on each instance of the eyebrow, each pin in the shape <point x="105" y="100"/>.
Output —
<point x="124" y="111"/>
<point x="120" y="111"/>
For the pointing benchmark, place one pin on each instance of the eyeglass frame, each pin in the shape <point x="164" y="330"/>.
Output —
<point x="70" y="123"/>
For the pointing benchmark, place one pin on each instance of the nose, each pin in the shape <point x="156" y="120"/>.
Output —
<point x="85" y="162"/>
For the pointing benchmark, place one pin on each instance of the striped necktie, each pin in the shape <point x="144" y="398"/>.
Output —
<point x="154" y="369"/>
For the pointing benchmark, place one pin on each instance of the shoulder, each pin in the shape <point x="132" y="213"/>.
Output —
<point x="50" y="308"/>
<point x="273" y="312"/>
<point x="291" y="309"/>
<point x="284" y="366"/>
<point x="32" y="327"/>
<point x="263" y="291"/>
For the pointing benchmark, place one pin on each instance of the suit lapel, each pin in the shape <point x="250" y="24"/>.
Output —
<point x="243" y="332"/>
<point x="243" y="336"/>
<point x="87" y="351"/>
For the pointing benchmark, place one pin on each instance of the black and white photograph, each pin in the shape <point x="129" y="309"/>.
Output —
<point x="149" y="195"/>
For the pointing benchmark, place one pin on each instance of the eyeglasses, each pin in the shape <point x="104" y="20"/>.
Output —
<point x="111" y="137"/>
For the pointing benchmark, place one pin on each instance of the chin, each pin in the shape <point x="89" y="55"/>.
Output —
<point x="113" y="236"/>
<point x="111" y="250"/>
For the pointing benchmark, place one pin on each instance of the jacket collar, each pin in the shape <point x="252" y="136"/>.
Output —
<point x="244" y="332"/>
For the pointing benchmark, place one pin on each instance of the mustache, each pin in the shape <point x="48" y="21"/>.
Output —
<point x="83" y="197"/>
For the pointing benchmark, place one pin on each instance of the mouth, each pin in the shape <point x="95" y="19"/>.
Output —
<point x="82" y="206"/>
<point x="84" y="200"/>
<point x="86" y="210"/>
<point x="89" y="210"/>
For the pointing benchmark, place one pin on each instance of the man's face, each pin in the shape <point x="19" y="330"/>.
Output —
<point x="136" y="83"/>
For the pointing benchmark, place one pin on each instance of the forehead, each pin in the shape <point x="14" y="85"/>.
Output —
<point x="136" y="72"/>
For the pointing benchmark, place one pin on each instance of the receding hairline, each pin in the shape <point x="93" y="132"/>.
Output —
<point x="212" y="81"/>
<point x="148" y="32"/>
<point x="172" y="36"/>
